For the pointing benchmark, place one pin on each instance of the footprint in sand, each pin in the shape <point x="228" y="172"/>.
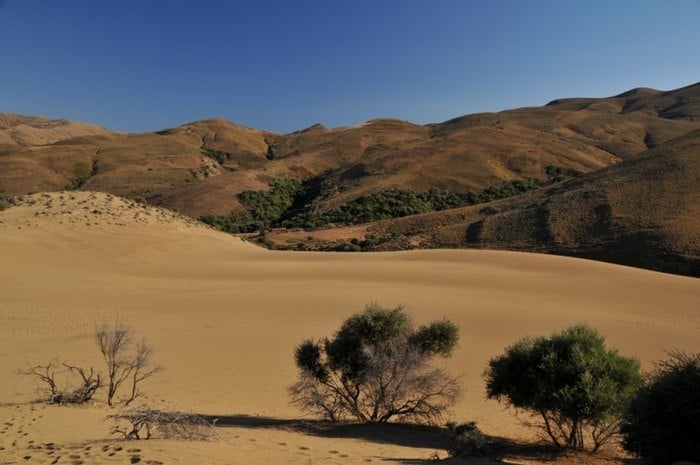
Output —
<point x="303" y="448"/>
<point x="134" y="459"/>
<point x="154" y="462"/>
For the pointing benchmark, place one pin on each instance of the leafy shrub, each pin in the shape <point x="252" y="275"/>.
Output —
<point x="376" y="368"/>
<point x="466" y="440"/>
<point x="441" y="199"/>
<point x="267" y="207"/>
<point x="576" y="385"/>
<point x="557" y="174"/>
<point x="235" y="223"/>
<point x="81" y="173"/>
<point x="508" y="189"/>
<point x="662" y="422"/>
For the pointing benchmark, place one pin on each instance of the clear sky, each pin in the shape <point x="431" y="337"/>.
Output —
<point x="144" y="65"/>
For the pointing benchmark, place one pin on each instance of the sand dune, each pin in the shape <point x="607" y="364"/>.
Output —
<point x="224" y="317"/>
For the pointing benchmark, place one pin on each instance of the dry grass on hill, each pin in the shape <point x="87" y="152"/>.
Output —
<point x="642" y="212"/>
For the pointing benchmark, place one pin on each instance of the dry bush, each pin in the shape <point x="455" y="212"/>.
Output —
<point x="124" y="362"/>
<point x="79" y="387"/>
<point x="144" y="422"/>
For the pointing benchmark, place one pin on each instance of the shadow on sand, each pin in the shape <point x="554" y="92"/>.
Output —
<point x="431" y="438"/>
<point x="427" y="437"/>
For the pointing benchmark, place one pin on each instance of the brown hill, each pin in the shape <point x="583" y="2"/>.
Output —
<point x="199" y="167"/>
<point x="642" y="212"/>
<point x="19" y="130"/>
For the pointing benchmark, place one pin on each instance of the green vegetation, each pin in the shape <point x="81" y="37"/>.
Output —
<point x="376" y="368"/>
<point x="268" y="207"/>
<point x="81" y="173"/>
<point x="235" y="223"/>
<point x="390" y="203"/>
<point x="557" y="174"/>
<point x="662" y="422"/>
<point x="576" y="385"/>
<point x="292" y="203"/>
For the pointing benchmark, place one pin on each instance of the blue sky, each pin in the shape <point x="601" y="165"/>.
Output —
<point x="144" y="65"/>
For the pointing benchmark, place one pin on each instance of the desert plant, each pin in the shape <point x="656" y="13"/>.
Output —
<point x="466" y="440"/>
<point x="377" y="368"/>
<point x="142" y="369"/>
<point x="577" y="386"/>
<point x="115" y="345"/>
<point x="144" y="422"/>
<point x="75" y="391"/>
<point x="662" y="422"/>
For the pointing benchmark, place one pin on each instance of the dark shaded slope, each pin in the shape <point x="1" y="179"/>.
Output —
<point x="643" y="212"/>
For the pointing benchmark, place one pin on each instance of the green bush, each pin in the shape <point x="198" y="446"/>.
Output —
<point x="569" y="379"/>
<point x="376" y="368"/>
<point x="662" y="422"/>
<point x="267" y="207"/>
<point x="441" y="199"/>
<point x="235" y="223"/>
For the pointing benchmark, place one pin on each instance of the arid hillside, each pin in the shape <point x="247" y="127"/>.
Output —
<point x="642" y="212"/>
<point x="633" y="158"/>
<point x="25" y="131"/>
<point x="200" y="167"/>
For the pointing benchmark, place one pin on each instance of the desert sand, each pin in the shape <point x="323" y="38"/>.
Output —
<point x="224" y="316"/>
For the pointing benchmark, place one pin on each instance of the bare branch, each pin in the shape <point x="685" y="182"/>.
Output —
<point x="75" y="392"/>
<point x="143" y="421"/>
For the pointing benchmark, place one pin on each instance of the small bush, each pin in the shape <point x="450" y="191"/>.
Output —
<point x="662" y="422"/>
<point x="79" y="385"/>
<point x="466" y="440"/>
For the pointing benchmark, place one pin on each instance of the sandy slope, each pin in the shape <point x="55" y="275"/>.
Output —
<point x="224" y="317"/>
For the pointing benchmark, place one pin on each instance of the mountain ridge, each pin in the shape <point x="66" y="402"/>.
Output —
<point x="205" y="166"/>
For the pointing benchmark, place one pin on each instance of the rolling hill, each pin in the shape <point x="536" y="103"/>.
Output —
<point x="633" y="147"/>
<point x="643" y="212"/>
